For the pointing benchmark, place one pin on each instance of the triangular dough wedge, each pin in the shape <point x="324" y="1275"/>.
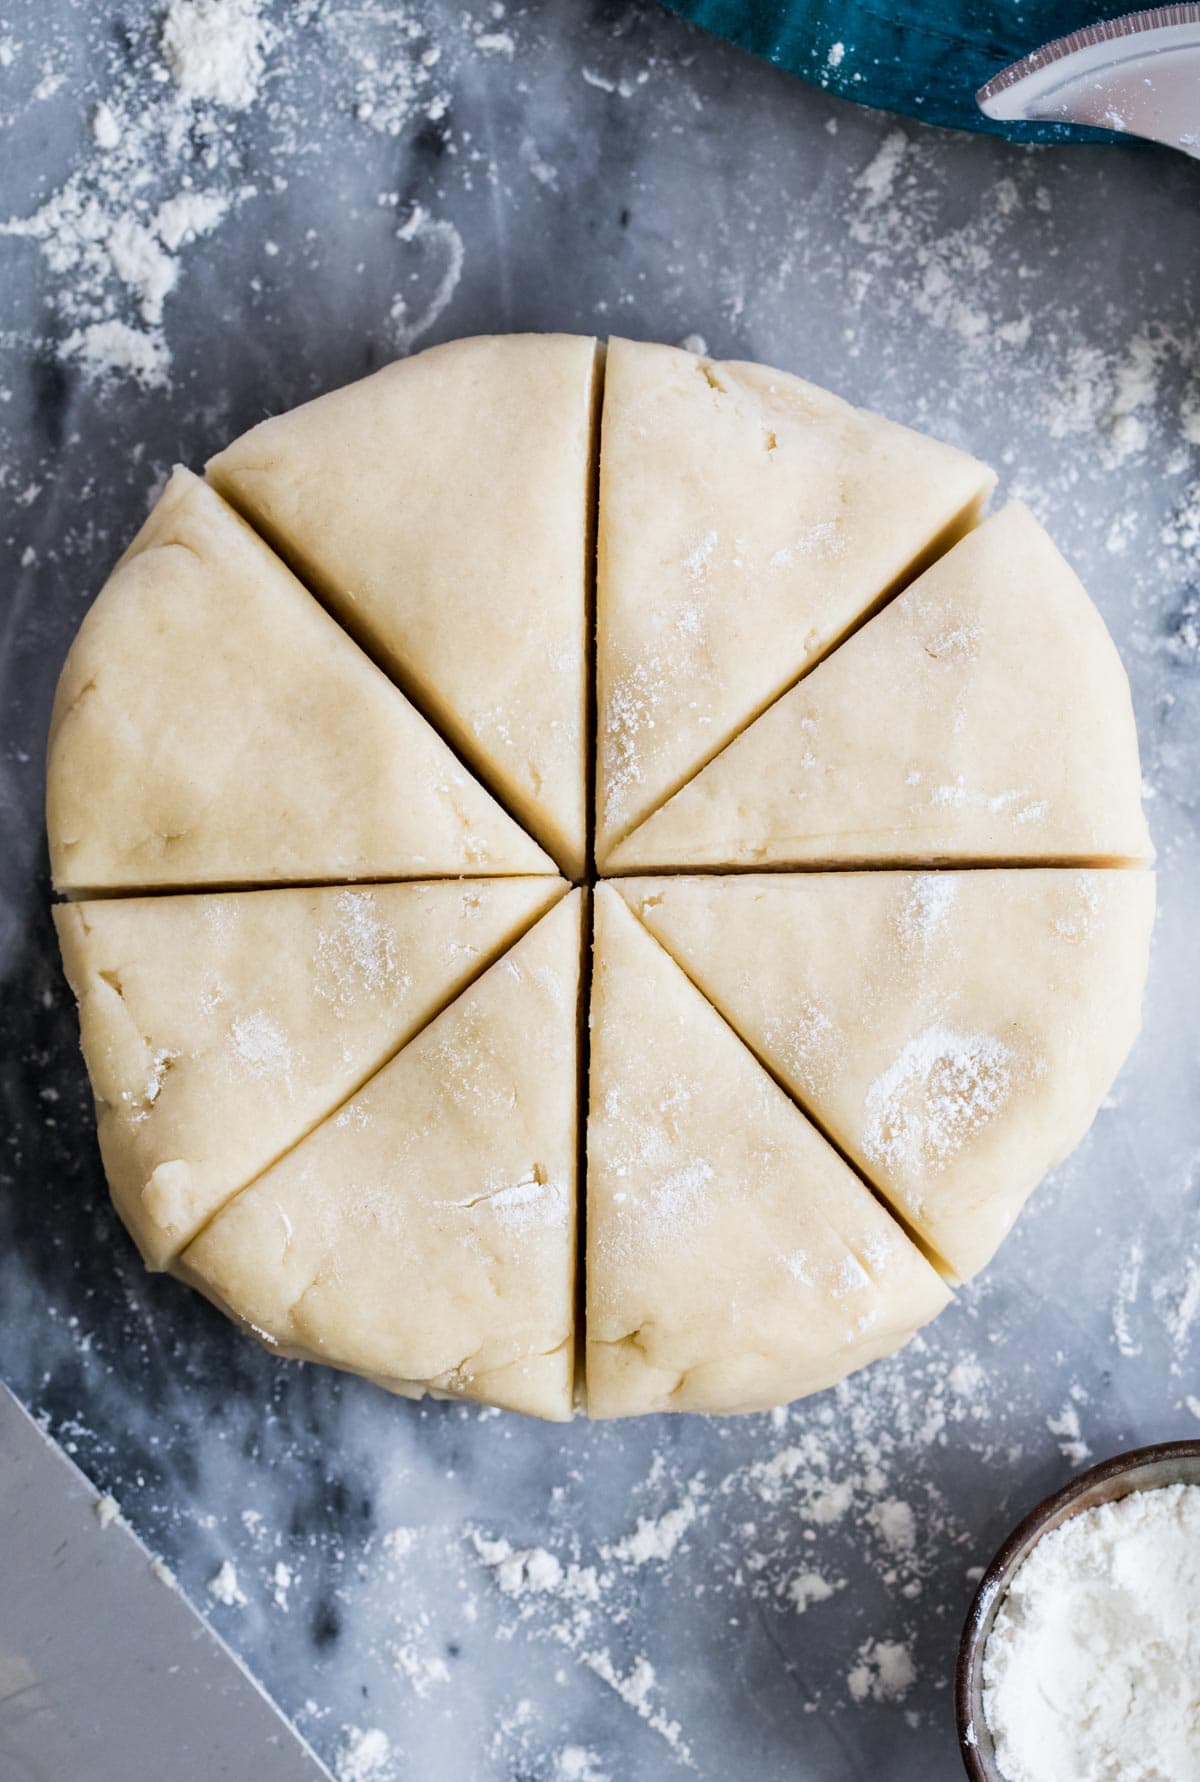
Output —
<point x="747" y="519"/>
<point x="733" y="1260"/>
<point x="441" y="509"/>
<point x="954" y="1033"/>
<point x="219" y="1028"/>
<point x="983" y="716"/>
<point x="425" y="1236"/>
<point x="213" y="725"/>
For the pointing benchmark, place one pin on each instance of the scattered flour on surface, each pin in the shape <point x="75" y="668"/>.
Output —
<point x="966" y="1381"/>
<point x="112" y="349"/>
<point x="896" y="1524"/>
<point x="635" y="1689"/>
<point x="224" y="1588"/>
<point x="534" y="1571"/>
<point x="112" y="234"/>
<point x="575" y="1763"/>
<point x="788" y="1532"/>
<point x="810" y="1587"/>
<point x="106" y="128"/>
<point x="189" y="215"/>
<point x="423" y="1670"/>
<point x="439" y="237"/>
<point x="163" y="165"/>
<point x="1129" y="1283"/>
<point x="364" y="1755"/>
<point x="878" y="178"/>
<point x="1067" y="1428"/>
<point x="1176" y="1299"/>
<point x="653" y="1538"/>
<point x="884" y="1672"/>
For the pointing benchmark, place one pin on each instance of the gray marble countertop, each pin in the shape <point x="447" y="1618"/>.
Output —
<point x="434" y="1592"/>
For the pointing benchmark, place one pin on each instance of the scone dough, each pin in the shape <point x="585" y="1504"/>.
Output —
<point x="746" y="520"/>
<point x="441" y="509"/>
<point x="219" y="1028"/>
<point x="733" y="1260"/>
<point x="983" y="715"/>
<point x="425" y="1236"/>
<point x="954" y="1032"/>
<point x="330" y="984"/>
<point x="213" y="726"/>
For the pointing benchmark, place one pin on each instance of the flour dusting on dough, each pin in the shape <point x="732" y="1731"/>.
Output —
<point x="808" y="1044"/>
<point x="662" y="1189"/>
<point x="260" y="1045"/>
<point x="927" y="909"/>
<point x="356" y="954"/>
<point x="940" y="1090"/>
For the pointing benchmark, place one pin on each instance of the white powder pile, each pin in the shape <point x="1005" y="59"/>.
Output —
<point x="1092" y="1669"/>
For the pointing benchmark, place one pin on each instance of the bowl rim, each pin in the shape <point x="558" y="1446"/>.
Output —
<point x="991" y="1588"/>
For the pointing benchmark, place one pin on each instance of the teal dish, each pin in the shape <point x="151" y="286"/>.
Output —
<point x="926" y="61"/>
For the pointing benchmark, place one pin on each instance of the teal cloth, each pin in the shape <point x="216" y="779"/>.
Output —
<point x="926" y="60"/>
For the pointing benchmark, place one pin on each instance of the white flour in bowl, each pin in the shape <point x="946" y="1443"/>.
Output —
<point x="1092" y="1669"/>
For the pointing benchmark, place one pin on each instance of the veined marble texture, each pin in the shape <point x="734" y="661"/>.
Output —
<point x="453" y="1595"/>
